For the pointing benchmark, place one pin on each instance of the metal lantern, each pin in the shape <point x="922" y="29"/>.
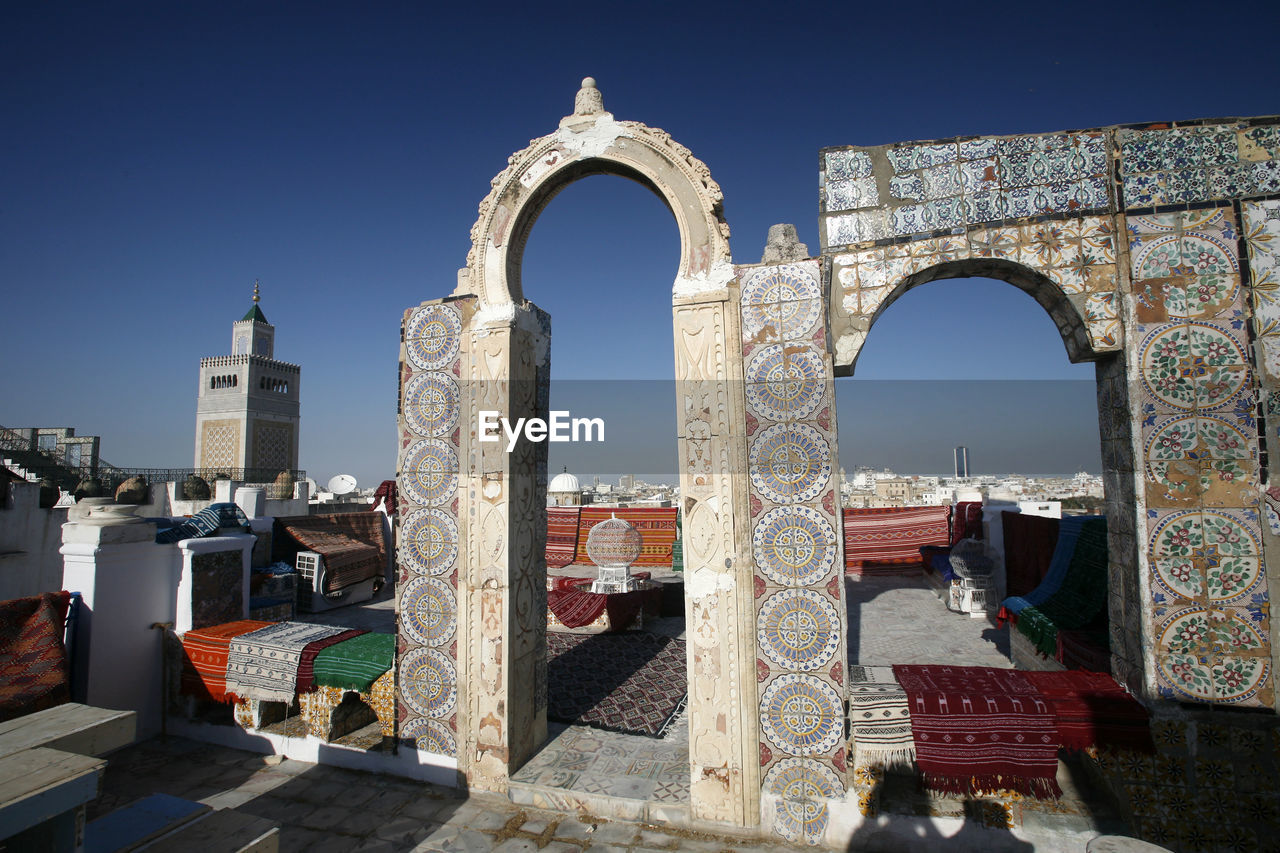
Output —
<point x="613" y="545"/>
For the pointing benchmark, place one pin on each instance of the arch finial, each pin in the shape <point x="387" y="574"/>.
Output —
<point x="588" y="101"/>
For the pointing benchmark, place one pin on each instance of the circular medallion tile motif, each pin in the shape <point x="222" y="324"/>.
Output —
<point x="1193" y="365"/>
<point x="786" y="283"/>
<point x="431" y="403"/>
<point x="794" y="545"/>
<point x="428" y="682"/>
<point x="799" y="629"/>
<point x="430" y="736"/>
<point x="429" y="541"/>
<point x="428" y="611"/>
<point x="782" y="384"/>
<point x="790" y="463"/>
<point x="803" y="788"/>
<point x="430" y="472"/>
<point x="431" y="337"/>
<point x="801" y="715"/>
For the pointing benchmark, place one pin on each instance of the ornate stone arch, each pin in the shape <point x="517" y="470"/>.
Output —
<point x="590" y="142"/>
<point x="1081" y="341"/>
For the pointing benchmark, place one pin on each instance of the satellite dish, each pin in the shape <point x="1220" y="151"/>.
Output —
<point x="312" y="487"/>
<point x="342" y="484"/>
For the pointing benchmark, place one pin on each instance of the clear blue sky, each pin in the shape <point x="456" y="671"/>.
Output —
<point x="157" y="158"/>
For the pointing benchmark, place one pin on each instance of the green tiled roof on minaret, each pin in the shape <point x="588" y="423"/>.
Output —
<point x="255" y="313"/>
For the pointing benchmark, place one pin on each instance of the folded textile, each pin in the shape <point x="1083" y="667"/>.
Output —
<point x="574" y="608"/>
<point x="206" y="522"/>
<point x="1084" y="649"/>
<point x="356" y="663"/>
<point x="263" y="665"/>
<point x="879" y="717"/>
<point x="1093" y="710"/>
<point x="34" y="672"/>
<point x="1068" y="534"/>
<point x="353" y="545"/>
<point x="306" y="663"/>
<point x="562" y="535"/>
<point x="204" y="671"/>
<point x="978" y="728"/>
<point x="1081" y="597"/>
<point x="1029" y="543"/>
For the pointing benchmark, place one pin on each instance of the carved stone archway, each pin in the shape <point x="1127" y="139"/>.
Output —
<point x="496" y="524"/>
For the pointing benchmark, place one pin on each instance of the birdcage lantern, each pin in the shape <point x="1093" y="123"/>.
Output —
<point x="613" y="545"/>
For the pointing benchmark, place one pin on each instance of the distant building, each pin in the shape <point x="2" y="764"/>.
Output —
<point x="247" y="410"/>
<point x="962" y="461"/>
<point x="564" y="490"/>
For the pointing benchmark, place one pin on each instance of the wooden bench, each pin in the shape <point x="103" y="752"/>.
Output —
<point x="81" y="729"/>
<point x="43" y="793"/>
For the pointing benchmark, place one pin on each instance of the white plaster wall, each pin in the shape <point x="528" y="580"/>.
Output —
<point x="29" y="541"/>
<point x="127" y="583"/>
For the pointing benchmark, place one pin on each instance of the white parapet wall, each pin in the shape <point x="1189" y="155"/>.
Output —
<point x="29" y="541"/>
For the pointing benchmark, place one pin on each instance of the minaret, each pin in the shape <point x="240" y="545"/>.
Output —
<point x="247" y="409"/>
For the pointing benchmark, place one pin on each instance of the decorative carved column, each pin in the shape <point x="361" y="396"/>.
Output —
<point x="718" y="599"/>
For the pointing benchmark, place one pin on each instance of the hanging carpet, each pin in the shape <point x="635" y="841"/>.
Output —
<point x="1079" y="600"/>
<point x="893" y="536"/>
<point x="562" y="535"/>
<point x="263" y="665"/>
<point x="657" y="526"/>
<point x="1093" y="710"/>
<point x="356" y="663"/>
<point x="879" y="717"/>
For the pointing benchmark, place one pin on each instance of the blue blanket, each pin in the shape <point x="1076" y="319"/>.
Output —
<point x="206" y="522"/>
<point x="1068" y="535"/>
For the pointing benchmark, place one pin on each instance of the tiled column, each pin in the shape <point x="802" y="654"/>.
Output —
<point x="1196" y="394"/>
<point x="431" y="530"/>
<point x="798" y="582"/>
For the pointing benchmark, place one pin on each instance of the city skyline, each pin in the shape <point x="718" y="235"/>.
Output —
<point x="167" y="156"/>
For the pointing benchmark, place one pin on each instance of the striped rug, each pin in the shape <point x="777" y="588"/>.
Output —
<point x="893" y="536"/>
<point x="204" y="668"/>
<point x="562" y="535"/>
<point x="657" y="526"/>
<point x="263" y="665"/>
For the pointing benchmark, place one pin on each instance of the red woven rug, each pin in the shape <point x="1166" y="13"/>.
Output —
<point x="34" y="674"/>
<point x="634" y="682"/>
<point x="893" y="536"/>
<point x="657" y="526"/>
<point x="562" y="535"/>
<point x="979" y="729"/>
<point x="1093" y="710"/>
<point x="204" y="670"/>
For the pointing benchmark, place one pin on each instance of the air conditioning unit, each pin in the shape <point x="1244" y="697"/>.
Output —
<point x="311" y="579"/>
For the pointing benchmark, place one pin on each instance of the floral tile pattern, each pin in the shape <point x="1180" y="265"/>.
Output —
<point x="1078" y="255"/>
<point x="1188" y="164"/>
<point x="1262" y="236"/>
<point x="950" y="183"/>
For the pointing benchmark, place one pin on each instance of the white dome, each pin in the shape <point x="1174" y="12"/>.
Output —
<point x="564" y="482"/>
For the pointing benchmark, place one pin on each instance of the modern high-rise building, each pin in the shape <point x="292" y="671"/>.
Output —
<point x="247" y="409"/>
<point x="962" y="461"/>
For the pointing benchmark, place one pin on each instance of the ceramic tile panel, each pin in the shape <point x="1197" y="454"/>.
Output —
<point x="429" y="534"/>
<point x="1262" y="238"/>
<point x="800" y="616"/>
<point x="1190" y="164"/>
<point x="939" y="185"/>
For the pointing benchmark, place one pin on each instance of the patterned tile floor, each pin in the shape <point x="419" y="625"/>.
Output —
<point x="321" y="808"/>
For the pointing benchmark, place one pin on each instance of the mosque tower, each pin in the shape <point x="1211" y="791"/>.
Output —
<point x="247" y="406"/>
